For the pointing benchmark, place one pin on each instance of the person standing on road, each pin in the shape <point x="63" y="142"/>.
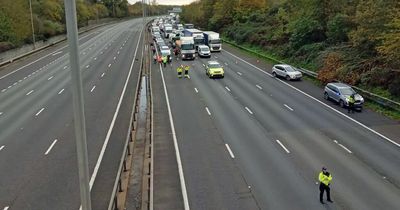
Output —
<point x="159" y="59"/>
<point x="187" y="67"/>
<point x="164" y="60"/>
<point x="169" y="58"/>
<point x="325" y="179"/>
<point x="179" y="70"/>
<point x="352" y="100"/>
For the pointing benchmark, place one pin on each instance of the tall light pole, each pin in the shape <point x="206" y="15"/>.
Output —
<point x="78" y="104"/>
<point x="33" y="29"/>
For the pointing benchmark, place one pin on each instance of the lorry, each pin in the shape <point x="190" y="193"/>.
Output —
<point x="212" y="40"/>
<point x="167" y="30"/>
<point x="197" y="36"/>
<point x="186" y="47"/>
<point x="188" y="26"/>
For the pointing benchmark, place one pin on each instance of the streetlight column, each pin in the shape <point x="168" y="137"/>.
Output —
<point x="33" y="28"/>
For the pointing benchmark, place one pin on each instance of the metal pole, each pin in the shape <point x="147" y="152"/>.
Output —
<point x="33" y="29"/>
<point x="78" y="103"/>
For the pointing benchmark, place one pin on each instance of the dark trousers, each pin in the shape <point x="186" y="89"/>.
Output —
<point x="350" y="107"/>
<point x="323" y="188"/>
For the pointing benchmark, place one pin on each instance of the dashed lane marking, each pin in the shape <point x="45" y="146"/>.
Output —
<point x="247" y="108"/>
<point x="230" y="151"/>
<point x="227" y="89"/>
<point x="240" y="73"/>
<point x="2" y="147"/>
<point x="51" y="146"/>
<point x="290" y="108"/>
<point x="109" y="65"/>
<point x="61" y="91"/>
<point x="259" y="87"/>
<point x="195" y="89"/>
<point x="283" y="146"/>
<point x="102" y="75"/>
<point x="65" y="67"/>
<point x="50" y="78"/>
<point x="40" y="111"/>
<point x="208" y="111"/>
<point x="29" y="92"/>
<point x="93" y="88"/>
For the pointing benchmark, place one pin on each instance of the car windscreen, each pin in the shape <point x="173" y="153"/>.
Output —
<point x="214" y="65"/>
<point x="215" y="41"/>
<point x="204" y="49"/>
<point x="187" y="46"/>
<point x="347" y="91"/>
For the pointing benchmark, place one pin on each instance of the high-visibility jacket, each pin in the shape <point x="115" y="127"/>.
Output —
<point x="326" y="180"/>
<point x="179" y="69"/>
<point x="164" y="59"/>
<point x="187" y="68"/>
<point x="352" y="100"/>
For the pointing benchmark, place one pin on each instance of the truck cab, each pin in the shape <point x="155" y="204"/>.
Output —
<point x="186" y="47"/>
<point x="213" y="41"/>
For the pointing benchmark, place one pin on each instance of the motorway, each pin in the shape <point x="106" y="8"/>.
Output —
<point x="251" y="141"/>
<point x="38" y="166"/>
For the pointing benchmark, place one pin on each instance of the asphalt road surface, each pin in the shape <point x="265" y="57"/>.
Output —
<point x="38" y="166"/>
<point x="251" y="141"/>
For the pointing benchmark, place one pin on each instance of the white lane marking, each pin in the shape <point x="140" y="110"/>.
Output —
<point x="226" y="64"/>
<point x="65" y="67"/>
<point x="115" y="57"/>
<point x="29" y="92"/>
<point x="345" y="148"/>
<point x="259" y="87"/>
<point x="103" y="149"/>
<point x="61" y="91"/>
<point x="109" y="65"/>
<point x="226" y="87"/>
<point x="1" y="113"/>
<point x="118" y="52"/>
<point x="101" y="52"/>
<point x="25" y="78"/>
<point x="195" y="89"/>
<point x="87" y="66"/>
<point x="176" y="146"/>
<point x="51" y="146"/>
<point x="208" y="111"/>
<point x="230" y="151"/>
<point x="2" y="147"/>
<point x="95" y="58"/>
<point x="56" y="53"/>
<point x="15" y="83"/>
<point x="240" y="73"/>
<point x="102" y="75"/>
<point x="50" y="78"/>
<point x="4" y="90"/>
<point x="6" y="208"/>
<point x="216" y="57"/>
<point x="290" y="108"/>
<point x="9" y="87"/>
<point x="40" y="111"/>
<point x="20" y="80"/>
<point x="93" y="88"/>
<point x="322" y="103"/>
<point x="283" y="146"/>
<point x="120" y="48"/>
<point x="247" y="108"/>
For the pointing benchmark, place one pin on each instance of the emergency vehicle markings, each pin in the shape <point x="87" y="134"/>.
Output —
<point x="51" y="146"/>
<point x="208" y="111"/>
<point x="230" y="151"/>
<point x="283" y="146"/>
<point x="290" y="108"/>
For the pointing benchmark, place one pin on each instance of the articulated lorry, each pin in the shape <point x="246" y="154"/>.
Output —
<point x="212" y="40"/>
<point x="186" y="47"/>
<point x="197" y="36"/>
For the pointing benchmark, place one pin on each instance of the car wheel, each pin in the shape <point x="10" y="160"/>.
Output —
<point x="341" y="103"/>
<point x="273" y="74"/>
<point x="287" y="77"/>
<point x="326" y="96"/>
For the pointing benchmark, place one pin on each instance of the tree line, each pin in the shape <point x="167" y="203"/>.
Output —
<point x="354" y="41"/>
<point x="49" y="17"/>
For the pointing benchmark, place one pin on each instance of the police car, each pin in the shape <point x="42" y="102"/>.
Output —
<point x="214" y="69"/>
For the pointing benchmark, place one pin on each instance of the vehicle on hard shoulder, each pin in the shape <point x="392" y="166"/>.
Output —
<point x="286" y="71"/>
<point x="340" y="93"/>
<point x="212" y="40"/>
<point x="186" y="48"/>
<point x="204" y="51"/>
<point x="214" y="69"/>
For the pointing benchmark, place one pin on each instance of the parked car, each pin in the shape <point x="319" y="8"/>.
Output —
<point x="286" y="71"/>
<point x="159" y="40"/>
<point x="340" y="93"/>
<point x="204" y="51"/>
<point x="214" y="69"/>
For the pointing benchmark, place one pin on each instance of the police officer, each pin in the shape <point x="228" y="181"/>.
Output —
<point x="352" y="100"/>
<point x="187" y="67"/>
<point x="179" y="70"/>
<point x="164" y="60"/>
<point x="325" y="179"/>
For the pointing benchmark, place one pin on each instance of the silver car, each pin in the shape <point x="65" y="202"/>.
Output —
<point x="341" y="93"/>
<point x="286" y="71"/>
<point x="204" y="51"/>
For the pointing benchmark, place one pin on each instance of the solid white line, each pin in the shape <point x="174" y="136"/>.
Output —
<point x="178" y="156"/>
<point x="50" y="78"/>
<point x="288" y="107"/>
<point x="259" y="87"/>
<point x="29" y="92"/>
<point x="65" y="67"/>
<point x="51" y="146"/>
<point x="93" y="88"/>
<point x="102" y="75"/>
<point x="345" y="148"/>
<point x="2" y="147"/>
<point x="279" y="142"/>
<point x="38" y="113"/>
<point x="208" y="111"/>
<point x="230" y="151"/>
<point x="248" y="110"/>
<point x="239" y="73"/>
<point x="322" y="103"/>
<point x="195" y="89"/>
<point x="61" y="91"/>
<point x="109" y="65"/>
<point x="103" y="149"/>
<point x="56" y="53"/>
<point x="226" y="87"/>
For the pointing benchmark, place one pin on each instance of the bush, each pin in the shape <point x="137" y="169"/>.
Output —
<point x="338" y="28"/>
<point x="394" y="87"/>
<point x="306" y="31"/>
